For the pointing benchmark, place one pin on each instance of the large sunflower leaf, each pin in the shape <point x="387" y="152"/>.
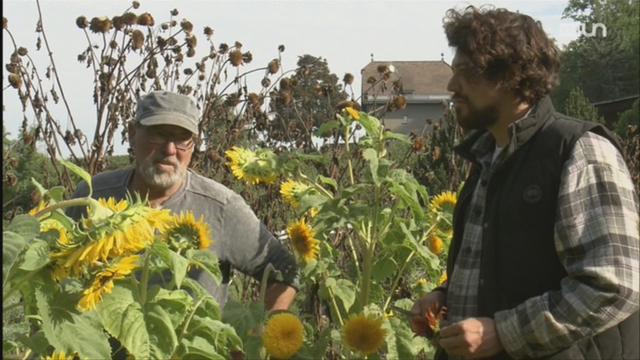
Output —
<point x="177" y="263"/>
<point x="16" y="236"/>
<point x="36" y="256"/>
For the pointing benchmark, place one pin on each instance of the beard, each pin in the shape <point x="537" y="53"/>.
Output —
<point x="156" y="178"/>
<point x="471" y="117"/>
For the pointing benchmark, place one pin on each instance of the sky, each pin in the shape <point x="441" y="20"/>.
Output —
<point x="347" y="33"/>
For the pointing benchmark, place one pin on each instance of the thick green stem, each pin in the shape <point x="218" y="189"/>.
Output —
<point x="347" y="129"/>
<point x="334" y="303"/>
<point x="144" y="281"/>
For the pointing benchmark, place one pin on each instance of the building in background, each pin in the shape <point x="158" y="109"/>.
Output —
<point x="423" y="85"/>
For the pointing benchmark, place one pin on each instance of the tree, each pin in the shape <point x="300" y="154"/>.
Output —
<point x="603" y="67"/>
<point x="578" y="106"/>
<point x="305" y="101"/>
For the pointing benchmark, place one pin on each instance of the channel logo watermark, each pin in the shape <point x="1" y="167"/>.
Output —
<point x="586" y="30"/>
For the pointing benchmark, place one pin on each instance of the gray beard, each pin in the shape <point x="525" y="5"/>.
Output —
<point x="159" y="180"/>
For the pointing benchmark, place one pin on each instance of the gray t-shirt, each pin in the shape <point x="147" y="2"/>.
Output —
<point x="239" y="237"/>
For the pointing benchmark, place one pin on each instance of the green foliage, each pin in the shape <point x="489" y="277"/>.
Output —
<point x="628" y="120"/>
<point x="578" y="106"/>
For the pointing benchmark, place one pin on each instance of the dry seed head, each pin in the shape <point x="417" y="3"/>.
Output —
<point x="223" y="48"/>
<point x="266" y="82"/>
<point x="399" y="102"/>
<point x="150" y="73"/>
<point x="15" y="80"/>
<point x="164" y="26"/>
<point x="14" y="58"/>
<point x="254" y="99"/>
<point x="172" y="41"/>
<point x="13" y="68"/>
<point x="118" y="22"/>
<point x="174" y="12"/>
<point x="22" y="51"/>
<point x="191" y="52"/>
<point x="191" y="41"/>
<point x="285" y="84"/>
<point x="274" y="66"/>
<point x="100" y="24"/>
<point x="247" y="57"/>
<point x="187" y="71"/>
<point x="137" y="39"/>
<point x="238" y="45"/>
<point x="129" y="18"/>
<point x="161" y="41"/>
<point x="135" y="4"/>
<point x="201" y="77"/>
<point x="281" y="48"/>
<point x="179" y="57"/>
<point x="173" y="23"/>
<point x="146" y="19"/>
<point x="113" y="44"/>
<point x="348" y="79"/>
<point x="208" y="31"/>
<point x="186" y="25"/>
<point x="82" y="22"/>
<point x="235" y="57"/>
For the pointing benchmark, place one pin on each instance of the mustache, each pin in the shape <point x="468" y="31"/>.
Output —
<point x="167" y="161"/>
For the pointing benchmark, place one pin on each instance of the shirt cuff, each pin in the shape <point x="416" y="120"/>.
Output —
<point x="510" y="334"/>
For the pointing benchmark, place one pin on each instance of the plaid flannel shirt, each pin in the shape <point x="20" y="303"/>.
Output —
<point x="596" y="235"/>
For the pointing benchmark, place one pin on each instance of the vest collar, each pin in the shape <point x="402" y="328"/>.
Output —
<point x="478" y="142"/>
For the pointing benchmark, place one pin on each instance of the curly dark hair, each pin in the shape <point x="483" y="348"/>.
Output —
<point x="509" y="49"/>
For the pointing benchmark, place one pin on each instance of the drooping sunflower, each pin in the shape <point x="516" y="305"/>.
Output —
<point x="283" y="335"/>
<point x="252" y="167"/>
<point x="303" y="239"/>
<point x="119" y="233"/>
<point x="41" y="206"/>
<point x="291" y="191"/>
<point x="185" y="231"/>
<point x="364" y="334"/>
<point x="353" y="113"/>
<point x="53" y="225"/>
<point x="443" y="200"/>
<point x="103" y="283"/>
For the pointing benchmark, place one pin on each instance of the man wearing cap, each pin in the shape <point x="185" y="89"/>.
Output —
<point x="162" y="141"/>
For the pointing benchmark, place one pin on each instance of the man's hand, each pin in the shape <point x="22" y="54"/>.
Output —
<point x="279" y="296"/>
<point x="431" y="303"/>
<point x="473" y="338"/>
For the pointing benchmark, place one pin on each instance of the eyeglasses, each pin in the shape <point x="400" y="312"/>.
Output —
<point x="160" y="139"/>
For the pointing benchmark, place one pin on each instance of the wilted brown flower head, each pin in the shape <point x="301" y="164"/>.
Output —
<point x="172" y="41"/>
<point x="235" y="57"/>
<point x="281" y="48"/>
<point x="129" y="18"/>
<point x="164" y="26"/>
<point x="187" y="71"/>
<point x="118" y="22"/>
<point x="15" y="80"/>
<point x="266" y="82"/>
<point x="274" y="66"/>
<point x="135" y="4"/>
<point x="237" y="45"/>
<point x="247" y="57"/>
<point x="186" y="25"/>
<point x="100" y="24"/>
<point x="201" y="77"/>
<point x="208" y="31"/>
<point x="13" y="68"/>
<point x="81" y="21"/>
<point x="150" y="73"/>
<point x="371" y="80"/>
<point x="137" y="39"/>
<point x="285" y="84"/>
<point x="179" y="58"/>
<point x="191" y="41"/>
<point x="174" y="12"/>
<point x="22" y="51"/>
<point x="398" y="103"/>
<point x="191" y="52"/>
<point x="113" y="44"/>
<point x="383" y="69"/>
<point x="11" y="180"/>
<point x="161" y="41"/>
<point x="146" y="19"/>
<point x="223" y="48"/>
<point x="348" y="79"/>
<point x="418" y="144"/>
<point x="348" y="103"/>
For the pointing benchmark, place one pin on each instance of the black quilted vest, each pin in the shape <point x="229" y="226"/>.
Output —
<point x="519" y="260"/>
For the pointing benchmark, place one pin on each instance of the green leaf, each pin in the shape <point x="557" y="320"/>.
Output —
<point x="328" y="181"/>
<point x="176" y="303"/>
<point x="311" y="200"/>
<point x="245" y="318"/>
<point x="56" y="193"/>
<point x="371" y="125"/>
<point x="198" y="348"/>
<point x="407" y="345"/>
<point x="80" y="172"/>
<point x="25" y="225"/>
<point x="207" y="261"/>
<point x="325" y="128"/>
<point x="390" y="135"/>
<point x="345" y="291"/>
<point x="372" y="157"/>
<point x="65" y="328"/>
<point x="122" y="317"/>
<point x="41" y="189"/>
<point x="177" y="263"/>
<point x="36" y="256"/>
<point x="209" y="304"/>
<point x="12" y="246"/>
<point x="383" y="269"/>
<point x="410" y="199"/>
<point x="162" y="336"/>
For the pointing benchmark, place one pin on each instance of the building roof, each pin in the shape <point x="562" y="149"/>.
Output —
<point x="419" y="79"/>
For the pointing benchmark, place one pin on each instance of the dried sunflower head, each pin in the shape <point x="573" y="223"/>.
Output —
<point x="186" y="25"/>
<point x="235" y="57"/>
<point x="100" y="24"/>
<point x="137" y="39"/>
<point x="129" y="18"/>
<point x="274" y="66"/>
<point x="81" y="21"/>
<point x="208" y="31"/>
<point x="146" y="19"/>
<point x="348" y="79"/>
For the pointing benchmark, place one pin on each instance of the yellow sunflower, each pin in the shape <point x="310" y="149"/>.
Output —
<point x="103" y="283"/>
<point x="313" y="212"/>
<point x="364" y="334"/>
<point x="303" y="239"/>
<point x="41" y="206"/>
<point x="443" y="278"/>
<point x="59" y="356"/>
<point x="185" y="225"/>
<point x="53" y="225"/>
<point x="447" y="198"/>
<point x="291" y="191"/>
<point x="283" y="335"/>
<point x="435" y="244"/>
<point x="122" y="233"/>
<point x="353" y="113"/>
<point x="252" y="167"/>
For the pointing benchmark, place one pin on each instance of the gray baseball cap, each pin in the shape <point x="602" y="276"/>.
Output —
<point x="168" y="108"/>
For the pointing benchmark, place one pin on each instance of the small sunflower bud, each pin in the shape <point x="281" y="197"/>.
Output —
<point x="82" y="22"/>
<point x="146" y="19"/>
<point x="235" y="57"/>
<point x="186" y="25"/>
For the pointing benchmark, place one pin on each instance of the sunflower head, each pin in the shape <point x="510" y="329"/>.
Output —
<point x="302" y="237"/>
<point x="283" y="335"/>
<point x="103" y="282"/>
<point x="442" y="279"/>
<point x="60" y="355"/>
<point x="253" y="167"/>
<point x="353" y="113"/>
<point x="291" y="191"/>
<point x="187" y="232"/>
<point x="444" y="201"/>
<point x="364" y="334"/>
<point x="41" y="206"/>
<point x="435" y="244"/>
